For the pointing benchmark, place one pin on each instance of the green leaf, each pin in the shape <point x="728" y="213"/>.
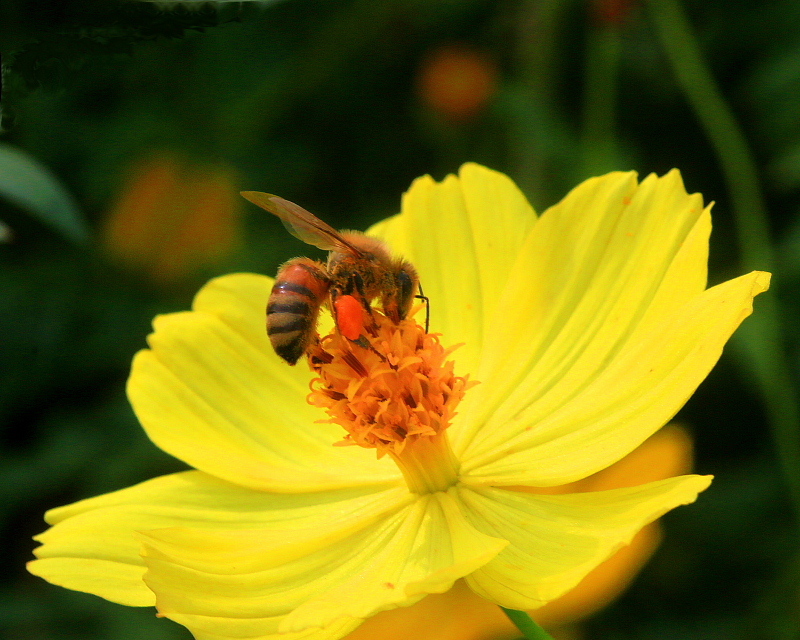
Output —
<point x="30" y="185"/>
<point x="785" y="168"/>
<point x="789" y="250"/>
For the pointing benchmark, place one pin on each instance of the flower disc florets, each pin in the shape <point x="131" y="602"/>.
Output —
<point x="392" y="392"/>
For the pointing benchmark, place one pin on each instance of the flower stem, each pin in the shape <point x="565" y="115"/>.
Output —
<point x="762" y="337"/>
<point x="525" y="623"/>
<point x="536" y="129"/>
<point x="428" y="464"/>
<point x="604" y="50"/>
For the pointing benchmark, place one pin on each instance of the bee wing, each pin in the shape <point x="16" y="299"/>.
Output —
<point x="302" y="224"/>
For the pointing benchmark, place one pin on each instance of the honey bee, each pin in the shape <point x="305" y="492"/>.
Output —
<point x="359" y="270"/>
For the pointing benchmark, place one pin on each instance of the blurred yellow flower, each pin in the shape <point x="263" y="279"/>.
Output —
<point x="173" y="217"/>
<point x="587" y="328"/>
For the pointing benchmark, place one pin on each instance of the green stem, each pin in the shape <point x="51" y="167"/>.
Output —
<point x="535" y="129"/>
<point x="603" y="51"/>
<point x="761" y="336"/>
<point x="526" y="625"/>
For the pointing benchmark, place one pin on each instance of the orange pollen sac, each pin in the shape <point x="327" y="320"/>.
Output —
<point x="393" y="391"/>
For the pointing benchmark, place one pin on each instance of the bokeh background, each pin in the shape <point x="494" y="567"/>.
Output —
<point x="128" y="130"/>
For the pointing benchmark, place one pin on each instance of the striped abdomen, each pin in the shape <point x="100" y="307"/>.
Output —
<point x="299" y="290"/>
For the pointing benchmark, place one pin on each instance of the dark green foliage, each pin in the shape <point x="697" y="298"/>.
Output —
<point x="319" y="102"/>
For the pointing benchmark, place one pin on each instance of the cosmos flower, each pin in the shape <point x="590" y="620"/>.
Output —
<point x="457" y="82"/>
<point x="581" y="333"/>
<point x="173" y="217"/>
<point x="459" y="614"/>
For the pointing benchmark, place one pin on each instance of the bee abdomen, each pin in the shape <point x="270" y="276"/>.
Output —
<point x="289" y="288"/>
<point x="293" y="307"/>
<point x="286" y="323"/>
<point x="298" y="306"/>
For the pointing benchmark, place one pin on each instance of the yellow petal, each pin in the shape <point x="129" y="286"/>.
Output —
<point x="460" y="614"/>
<point x="605" y="263"/>
<point x="212" y="392"/>
<point x="115" y="580"/>
<point x="463" y="235"/>
<point x="555" y="440"/>
<point x="334" y="632"/>
<point x="666" y="453"/>
<point x="604" y="584"/>
<point x="258" y="582"/>
<point x="92" y="546"/>
<point x="555" y="540"/>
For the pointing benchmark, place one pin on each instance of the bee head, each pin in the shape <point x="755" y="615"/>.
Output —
<point x="406" y="282"/>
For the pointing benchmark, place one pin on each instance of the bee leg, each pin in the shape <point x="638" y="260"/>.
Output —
<point x="365" y="344"/>
<point x="355" y="364"/>
<point x="357" y="283"/>
<point x="317" y="356"/>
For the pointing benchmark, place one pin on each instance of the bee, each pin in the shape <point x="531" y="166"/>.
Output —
<point x="359" y="270"/>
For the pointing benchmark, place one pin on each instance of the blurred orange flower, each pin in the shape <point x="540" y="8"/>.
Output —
<point x="173" y="217"/>
<point x="612" y="12"/>
<point x="457" y="82"/>
<point x="460" y="614"/>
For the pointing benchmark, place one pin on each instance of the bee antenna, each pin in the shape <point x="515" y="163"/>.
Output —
<point x="421" y="296"/>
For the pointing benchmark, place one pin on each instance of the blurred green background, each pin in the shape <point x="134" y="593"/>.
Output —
<point x="128" y="130"/>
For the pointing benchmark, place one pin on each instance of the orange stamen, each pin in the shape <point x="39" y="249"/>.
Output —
<point x="397" y="392"/>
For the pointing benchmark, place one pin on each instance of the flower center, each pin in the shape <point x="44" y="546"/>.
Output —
<point x="395" y="393"/>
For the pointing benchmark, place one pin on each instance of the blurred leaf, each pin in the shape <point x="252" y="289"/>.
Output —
<point x="773" y="95"/>
<point x="316" y="101"/>
<point x="785" y="168"/>
<point x="59" y="455"/>
<point x="789" y="251"/>
<point x="189" y="4"/>
<point x="773" y="89"/>
<point x="31" y="185"/>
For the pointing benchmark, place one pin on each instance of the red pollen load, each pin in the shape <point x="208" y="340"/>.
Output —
<point x="349" y="317"/>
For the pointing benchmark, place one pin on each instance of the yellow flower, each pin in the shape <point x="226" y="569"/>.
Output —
<point x="460" y="614"/>
<point x="587" y="330"/>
